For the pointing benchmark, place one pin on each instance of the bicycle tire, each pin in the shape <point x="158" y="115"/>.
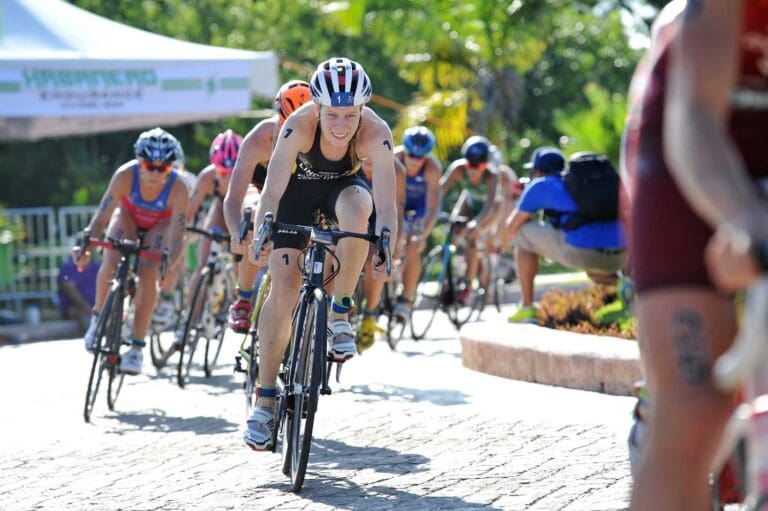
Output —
<point x="458" y="313"/>
<point x="192" y="326"/>
<point x="99" y="359"/>
<point x="291" y="368"/>
<point x="310" y="367"/>
<point x="395" y="326"/>
<point x="114" y="330"/>
<point x="219" y="312"/>
<point x="252" y="370"/>
<point x="428" y="291"/>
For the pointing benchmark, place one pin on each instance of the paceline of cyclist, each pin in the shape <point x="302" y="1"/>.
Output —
<point x="423" y="196"/>
<point x="696" y="152"/>
<point x="373" y="287"/>
<point x="245" y="186"/>
<point x="478" y="184"/>
<point x="144" y="196"/>
<point x="314" y="166"/>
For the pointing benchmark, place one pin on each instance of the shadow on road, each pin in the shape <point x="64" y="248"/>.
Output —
<point x="380" y="392"/>
<point x="322" y="487"/>
<point x="157" y="421"/>
<point x="335" y="454"/>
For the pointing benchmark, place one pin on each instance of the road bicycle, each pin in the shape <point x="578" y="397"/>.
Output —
<point x="744" y="368"/>
<point x="109" y="336"/>
<point x="306" y="365"/>
<point x="441" y="281"/>
<point x="207" y="315"/>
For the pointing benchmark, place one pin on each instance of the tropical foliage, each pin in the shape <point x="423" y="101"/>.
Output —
<point x="523" y="72"/>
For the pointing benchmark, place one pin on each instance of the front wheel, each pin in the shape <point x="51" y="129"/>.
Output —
<point x="306" y="380"/>
<point x="193" y="327"/>
<point x="115" y="327"/>
<point x="100" y="357"/>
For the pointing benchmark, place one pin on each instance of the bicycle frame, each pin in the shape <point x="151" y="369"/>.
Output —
<point x="745" y="366"/>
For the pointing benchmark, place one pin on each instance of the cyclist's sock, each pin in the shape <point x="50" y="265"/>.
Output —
<point x="343" y="304"/>
<point x="166" y="296"/>
<point x="403" y="299"/>
<point x="137" y="343"/>
<point x="265" y="397"/>
<point x="370" y="313"/>
<point x="245" y="294"/>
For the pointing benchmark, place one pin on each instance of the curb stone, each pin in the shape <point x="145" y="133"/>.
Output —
<point x="552" y="357"/>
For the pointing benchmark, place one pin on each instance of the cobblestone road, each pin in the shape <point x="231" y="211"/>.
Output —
<point x="406" y="431"/>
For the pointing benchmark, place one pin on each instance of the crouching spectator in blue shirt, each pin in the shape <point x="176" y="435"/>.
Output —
<point x="597" y="247"/>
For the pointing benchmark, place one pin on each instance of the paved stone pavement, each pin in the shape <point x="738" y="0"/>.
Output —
<point x="408" y="431"/>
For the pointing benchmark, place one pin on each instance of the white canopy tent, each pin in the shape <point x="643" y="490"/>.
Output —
<point x="66" y="71"/>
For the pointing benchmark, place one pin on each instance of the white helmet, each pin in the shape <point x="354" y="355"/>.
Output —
<point x="340" y="82"/>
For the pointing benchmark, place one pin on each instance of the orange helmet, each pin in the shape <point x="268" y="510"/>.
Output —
<point x="291" y="96"/>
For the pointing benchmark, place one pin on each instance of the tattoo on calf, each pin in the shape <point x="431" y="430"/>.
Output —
<point x="691" y="347"/>
<point x="182" y="222"/>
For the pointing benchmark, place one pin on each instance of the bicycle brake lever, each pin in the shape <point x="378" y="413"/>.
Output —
<point x="384" y="252"/>
<point x="264" y="233"/>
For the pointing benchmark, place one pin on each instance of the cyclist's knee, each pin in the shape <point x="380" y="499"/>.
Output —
<point x="148" y="269"/>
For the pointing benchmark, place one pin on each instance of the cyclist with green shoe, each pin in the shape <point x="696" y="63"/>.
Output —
<point x="598" y="247"/>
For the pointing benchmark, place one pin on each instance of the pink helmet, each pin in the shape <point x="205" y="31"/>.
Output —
<point x="224" y="149"/>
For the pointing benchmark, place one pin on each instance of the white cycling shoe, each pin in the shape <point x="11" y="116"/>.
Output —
<point x="131" y="361"/>
<point x="90" y="334"/>
<point x="165" y="313"/>
<point x="341" y="340"/>
<point x="258" y="431"/>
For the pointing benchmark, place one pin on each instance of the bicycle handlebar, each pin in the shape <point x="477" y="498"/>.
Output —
<point x="125" y="247"/>
<point x="324" y="237"/>
<point x="212" y="235"/>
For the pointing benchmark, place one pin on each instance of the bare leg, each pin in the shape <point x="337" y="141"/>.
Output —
<point x="527" y="267"/>
<point x="682" y="332"/>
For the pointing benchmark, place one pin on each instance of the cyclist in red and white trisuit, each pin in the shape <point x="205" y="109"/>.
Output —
<point x="246" y="185"/>
<point x="696" y="153"/>
<point x="143" y="195"/>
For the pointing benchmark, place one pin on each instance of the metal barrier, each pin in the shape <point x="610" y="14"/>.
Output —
<point x="33" y="242"/>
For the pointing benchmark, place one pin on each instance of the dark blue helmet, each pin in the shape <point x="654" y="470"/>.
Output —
<point x="476" y="150"/>
<point x="418" y="141"/>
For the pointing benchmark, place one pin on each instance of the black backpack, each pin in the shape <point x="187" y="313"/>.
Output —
<point x="593" y="183"/>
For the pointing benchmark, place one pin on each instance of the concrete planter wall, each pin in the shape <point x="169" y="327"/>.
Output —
<point x="552" y="357"/>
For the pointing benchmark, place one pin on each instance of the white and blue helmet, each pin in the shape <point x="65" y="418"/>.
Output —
<point x="340" y="82"/>
<point x="157" y="145"/>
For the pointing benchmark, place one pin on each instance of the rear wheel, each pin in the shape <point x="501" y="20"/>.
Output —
<point x="218" y="316"/>
<point x="192" y="328"/>
<point x="428" y="292"/>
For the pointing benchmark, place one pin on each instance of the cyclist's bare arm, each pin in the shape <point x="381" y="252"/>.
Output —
<point x="702" y="158"/>
<point x="485" y="219"/>
<point x="256" y="148"/>
<point x="203" y="188"/>
<point x="179" y="203"/>
<point x="451" y="176"/>
<point x="375" y="143"/>
<point x="119" y="185"/>
<point x="400" y="178"/>
<point x="434" y="193"/>
<point x="296" y="135"/>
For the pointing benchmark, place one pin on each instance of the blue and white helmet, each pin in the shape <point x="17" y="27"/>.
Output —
<point x="340" y="82"/>
<point x="418" y="141"/>
<point x="157" y="145"/>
